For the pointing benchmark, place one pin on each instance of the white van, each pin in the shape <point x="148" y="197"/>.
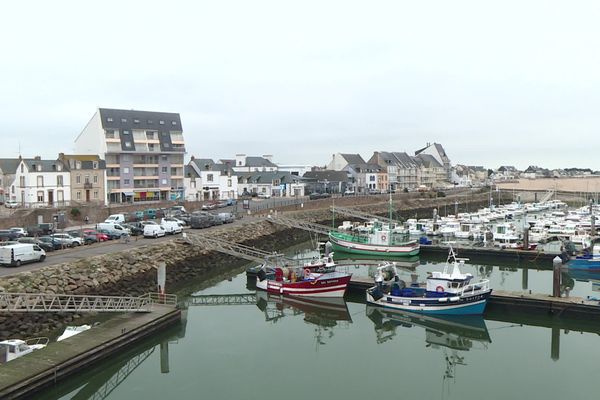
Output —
<point x="154" y="230"/>
<point x="171" y="227"/>
<point x="115" y="219"/>
<point x="114" y="228"/>
<point x="17" y="254"/>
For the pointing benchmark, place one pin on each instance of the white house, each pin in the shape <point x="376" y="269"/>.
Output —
<point x="206" y="180"/>
<point x="40" y="183"/>
<point x="244" y="163"/>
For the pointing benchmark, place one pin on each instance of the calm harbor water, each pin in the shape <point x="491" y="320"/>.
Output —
<point x="281" y="348"/>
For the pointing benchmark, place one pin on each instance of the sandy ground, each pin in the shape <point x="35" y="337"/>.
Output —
<point x="589" y="185"/>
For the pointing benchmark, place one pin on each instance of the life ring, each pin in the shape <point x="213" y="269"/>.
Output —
<point x="383" y="237"/>
<point x="439" y="289"/>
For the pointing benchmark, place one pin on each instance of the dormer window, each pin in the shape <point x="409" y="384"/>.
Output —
<point x="123" y="119"/>
<point x="173" y="123"/>
<point x="136" y="121"/>
<point x="109" y="119"/>
<point x="149" y="122"/>
<point x="161" y="122"/>
<point x="39" y="167"/>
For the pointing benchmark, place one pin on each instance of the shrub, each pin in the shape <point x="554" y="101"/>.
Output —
<point x="75" y="213"/>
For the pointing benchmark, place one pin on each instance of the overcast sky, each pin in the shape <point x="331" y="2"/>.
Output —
<point x="496" y="83"/>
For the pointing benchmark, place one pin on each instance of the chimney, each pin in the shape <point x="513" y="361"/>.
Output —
<point x="192" y="158"/>
<point x="37" y="158"/>
<point x="240" y="160"/>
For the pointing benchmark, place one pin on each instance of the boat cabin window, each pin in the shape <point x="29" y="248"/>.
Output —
<point x="12" y="349"/>
<point x="23" y="347"/>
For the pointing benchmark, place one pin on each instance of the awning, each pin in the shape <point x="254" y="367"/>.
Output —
<point x="128" y="193"/>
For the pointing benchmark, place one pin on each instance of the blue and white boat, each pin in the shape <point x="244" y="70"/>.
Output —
<point x="449" y="292"/>
<point x="590" y="262"/>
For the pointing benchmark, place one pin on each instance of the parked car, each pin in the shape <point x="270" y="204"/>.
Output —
<point x="20" y="231"/>
<point x="115" y="219"/>
<point x="317" y="195"/>
<point x="111" y="235"/>
<point x="51" y="241"/>
<point x="68" y="240"/>
<point x="227" y="218"/>
<point x="11" y="204"/>
<point x="349" y="193"/>
<point x="101" y="237"/>
<point x="47" y="247"/>
<point x="150" y="213"/>
<point x="209" y="206"/>
<point x="136" y="228"/>
<point x="154" y="231"/>
<point x="7" y="234"/>
<point x="200" y="220"/>
<point x="263" y="195"/>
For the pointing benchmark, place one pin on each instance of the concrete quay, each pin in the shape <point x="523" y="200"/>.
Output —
<point x="23" y="377"/>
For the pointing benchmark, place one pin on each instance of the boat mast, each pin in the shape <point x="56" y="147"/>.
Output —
<point x="390" y="223"/>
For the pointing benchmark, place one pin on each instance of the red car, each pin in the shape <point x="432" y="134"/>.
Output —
<point x="102" y="237"/>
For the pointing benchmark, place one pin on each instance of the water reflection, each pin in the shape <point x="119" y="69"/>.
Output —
<point x="452" y="335"/>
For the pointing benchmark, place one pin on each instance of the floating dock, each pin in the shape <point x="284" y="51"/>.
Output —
<point x="31" y="373"/>
<point x="571" y="307"/>
<point x="486" y="253"/>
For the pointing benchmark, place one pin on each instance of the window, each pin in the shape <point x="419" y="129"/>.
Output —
<point x="39" y="167"/>
<point x="59" y="167"/>
<point x="193" y="184"/>
<point x="21" y="181"/>
<point x="126" y="132"/>
<point x="149" y="122"/>
<point x="151" y="146"/>
<point x="95" y="178"/>
<point x="161" y="122"/>
<point x="95" y="194"/>
<point x="127" y="144"/>
<point x="136" y="121"/>
<point x="164" y="181"/>
<point x="125" y="170"/>
<point x="228" y="182"/>
<point x="78" y="165"/>
<point x="87" y="179"/>
<point x="78" y="195"/>
<point x="95" y="164"/>
<point x="59" y="180"/>
<point x="173" y="171"/>
<point x="123" y="119"/>
<point x="125" y="181"/>
<point x="109" y="119"/>
<point x="209" y="177"/>
<point x="60" y="196"/>
<point x="163" y="170"/>
<point x="21" y="167"/>
<point x="40" y="181"/>
<point x="173" y="123"/>
<point x="163" y="157"/>
<point x="40" y="196"/>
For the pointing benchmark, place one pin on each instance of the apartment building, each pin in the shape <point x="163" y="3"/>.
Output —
<point x="143" y="150"/>
<point x="88" y="178"/>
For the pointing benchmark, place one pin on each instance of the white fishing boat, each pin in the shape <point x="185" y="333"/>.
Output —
<point x="14" y="348"/>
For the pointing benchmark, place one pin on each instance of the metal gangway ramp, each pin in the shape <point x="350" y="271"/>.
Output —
<point x="298" y="224"/>
<point x="42" y="302"/>
<point x="233" y="249"/>
<point x="548" y="196"/>
<point x="221" y="300"/>
<point x="360" y="214"/>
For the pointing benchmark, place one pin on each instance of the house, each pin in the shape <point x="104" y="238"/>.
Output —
<point x="206" y="180"/>
<point x="88" y="178"/>
<point x="271" y="183"/>
<point x="8" y="169"/>
<point x="437" y="151"/>
<point x="533" y="172"/>
<point x="506" y="172"/>
<point x="402" y="169"/>
<point x="41" y="183"/>
<point x="143" y="151"/>
<point x="430" y="173"/>
<point x="367" y="177"/>
<point x="243" y="163"/>
<point x="327" y="181"/>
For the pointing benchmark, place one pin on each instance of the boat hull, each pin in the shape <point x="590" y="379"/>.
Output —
<point x="472" y="304"/>
<point x="348" y="246"/>
<point x="587" y="263"/>
<point x="327" y="285"/>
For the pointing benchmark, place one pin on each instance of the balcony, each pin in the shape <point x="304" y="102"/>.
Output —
<point x="87" y="185"/>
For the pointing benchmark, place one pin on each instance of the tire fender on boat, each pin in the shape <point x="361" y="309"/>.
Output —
<point x="439" y="289"/>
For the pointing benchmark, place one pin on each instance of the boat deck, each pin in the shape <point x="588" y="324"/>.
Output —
<point x="28" y="374"/>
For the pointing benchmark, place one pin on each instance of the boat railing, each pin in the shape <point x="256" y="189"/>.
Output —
<point x="160" y="298"/>
<point x="481" y="286"/>
<point x="38" y="341"/>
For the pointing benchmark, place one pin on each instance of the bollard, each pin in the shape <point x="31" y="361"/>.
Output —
<point x="556" y="264"/>
<point x="526" y="238"/>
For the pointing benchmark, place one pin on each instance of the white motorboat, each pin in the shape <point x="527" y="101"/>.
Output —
<point x="14" y="348"/>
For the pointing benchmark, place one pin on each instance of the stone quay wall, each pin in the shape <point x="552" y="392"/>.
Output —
<point x="133" y="272"/>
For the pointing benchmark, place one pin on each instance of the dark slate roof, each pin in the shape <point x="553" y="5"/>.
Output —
<point x="47" y="165"/>
<point x="190" y="172"/>
<point x="428" y="161"/>
<point x="145" y="120"/>
<point x="9" y="165"/>
<point x="366" y="167"/>
<point x="268" y="177"/>
<point x="439" y="148"/>
<point x="353" y="158"/>
<point x="329" y="175"/>
<point x="203" y="163"/>
<point x="405" y="160"/>
<point x="258" y="162"/>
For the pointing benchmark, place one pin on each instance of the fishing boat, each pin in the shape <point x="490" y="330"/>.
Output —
<point x="589" y="261"/>
<point x="302" y="282"/>
<point x="14" y="348"/>
<point x="449" y="292"/>
<point x="378" y="242"/>
<point x="325" y="310"/>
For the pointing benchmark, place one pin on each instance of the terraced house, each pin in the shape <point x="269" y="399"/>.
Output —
<point x="143" y="150"/>
<point x="41" y="183"/>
